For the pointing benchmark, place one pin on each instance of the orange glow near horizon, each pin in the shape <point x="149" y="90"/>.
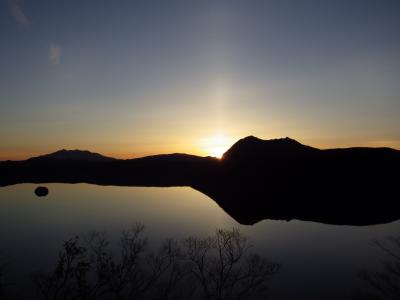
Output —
<point x="216" y="145"/>
<point x="209" y="145"/>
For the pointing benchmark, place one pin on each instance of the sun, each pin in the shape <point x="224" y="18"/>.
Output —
<point x="217" y="152"/>
<point x="216" y="145"/>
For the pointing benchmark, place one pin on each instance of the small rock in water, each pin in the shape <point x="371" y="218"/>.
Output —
<point x="41" y="191"/>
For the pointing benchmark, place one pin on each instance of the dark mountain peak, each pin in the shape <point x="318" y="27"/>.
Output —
<point x="173" y="157"/>
<point x="255" y="140"/>
<point x="75" y="155"/>
<point x="250" y="138"/>
<point x="252" y="147"/>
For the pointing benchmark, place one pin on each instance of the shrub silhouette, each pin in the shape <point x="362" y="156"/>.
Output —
<point x="216" y="267"/>
<point x="385" y="283"/>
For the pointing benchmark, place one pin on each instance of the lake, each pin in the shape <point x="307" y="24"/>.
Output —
<point x="318" y="261"/>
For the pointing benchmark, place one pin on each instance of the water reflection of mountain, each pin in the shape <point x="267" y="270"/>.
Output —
<point x="255" y="180"/>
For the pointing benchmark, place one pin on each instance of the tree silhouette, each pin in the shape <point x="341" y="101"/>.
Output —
<point x="385" y="283"/>
<point x="215" y="267"/>
<point x="224" y="269"/>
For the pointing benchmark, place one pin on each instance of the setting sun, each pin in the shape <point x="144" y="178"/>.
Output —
<point x="218" y="151"/>
<point x="216" y="145"/>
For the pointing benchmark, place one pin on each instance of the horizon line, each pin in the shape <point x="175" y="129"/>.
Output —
<point x="124" y="157"/>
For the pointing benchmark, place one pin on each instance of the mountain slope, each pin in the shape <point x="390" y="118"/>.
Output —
<point x="252" y="148"/>
<point x="74" y="155"/>
<point x="255" y="180"/>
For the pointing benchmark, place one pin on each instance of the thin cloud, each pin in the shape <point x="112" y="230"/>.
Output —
<point x="55" y="52"/>
<point x="18" y="14"/>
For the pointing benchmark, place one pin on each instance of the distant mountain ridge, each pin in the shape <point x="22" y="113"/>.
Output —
<point x="247" y="148"/>
<point x="75" y="155"/>
<point x="255" y="179"/>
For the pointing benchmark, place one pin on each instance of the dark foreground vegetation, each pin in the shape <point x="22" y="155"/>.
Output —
<point x="220" y="266"/>
<point x="384" y="283"/>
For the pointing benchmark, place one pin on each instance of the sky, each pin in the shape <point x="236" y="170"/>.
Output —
<point x="134" y="78"/>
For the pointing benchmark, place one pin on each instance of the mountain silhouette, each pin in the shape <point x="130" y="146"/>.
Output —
<point x="77" y="155"/>
<point x="255" y="179"/>
<point x="252" y="148"/>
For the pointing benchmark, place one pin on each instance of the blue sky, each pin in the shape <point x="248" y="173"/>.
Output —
<point x="131" y="78"/>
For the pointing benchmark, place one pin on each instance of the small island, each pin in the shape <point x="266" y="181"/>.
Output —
<point x="41" y="191"/>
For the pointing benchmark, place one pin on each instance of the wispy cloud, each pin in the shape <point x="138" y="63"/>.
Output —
<point x="18" y="14"/>
<point x="55" y="52"/>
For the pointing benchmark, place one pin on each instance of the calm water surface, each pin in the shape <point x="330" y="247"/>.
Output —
<point x="318" y="260"/>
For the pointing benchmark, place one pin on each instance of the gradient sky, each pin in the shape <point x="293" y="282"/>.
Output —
<point x="132" y="78"/>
